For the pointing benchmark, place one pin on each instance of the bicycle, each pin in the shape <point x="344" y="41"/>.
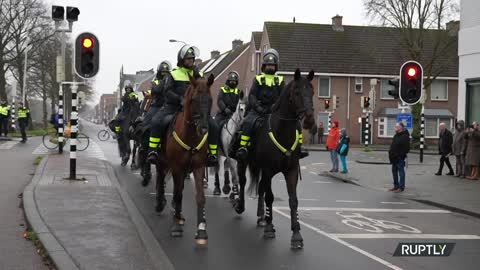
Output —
<point x="372" y="225"/>
<point x="50" y="140"/>
<point x="105" y="134"/>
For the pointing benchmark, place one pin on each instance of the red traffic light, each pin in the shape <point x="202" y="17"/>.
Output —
<point x="87" y="43"/>
<point x="412" y="72"/>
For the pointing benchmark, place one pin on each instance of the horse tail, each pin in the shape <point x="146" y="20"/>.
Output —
<point x="255" y="173"/>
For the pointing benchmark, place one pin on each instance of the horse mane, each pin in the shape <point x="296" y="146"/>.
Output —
<point x="283" y="95"/>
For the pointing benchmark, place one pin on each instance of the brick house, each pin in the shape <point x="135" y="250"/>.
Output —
<point x="344" y="59"/>
<point x="106" y="107"/>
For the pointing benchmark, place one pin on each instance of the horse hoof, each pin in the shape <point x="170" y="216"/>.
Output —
<point x="239" y="207"/>
<point x="232" y="197"/>
<point x="269" y="232"/>
<point x="216" y="191"/>
<point x="261" y="222"/>
<point x="161" y="206"/>
<point x="133" y="167"/>
<point x="201" y="237"/>
<point x="226" y="189"/>
<point x="296" y="244"/>
<point x="146" y="181"/>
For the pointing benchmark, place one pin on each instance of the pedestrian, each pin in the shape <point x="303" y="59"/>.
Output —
<point x="4" y="117"/>
<point x="445" y="148"/>
<point x="472" y="159"/>
<point x="397" y="154"/>
<point x="459" y="148"/>
<point x="343" y="146"/>
<point x="321" y="131"/>
<point x="332" y="143"/>
<point x="23" y="116"/>
<point x="313" y="133"/>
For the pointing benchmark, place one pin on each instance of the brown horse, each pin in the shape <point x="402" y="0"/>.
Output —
<point x="186" y="149"/>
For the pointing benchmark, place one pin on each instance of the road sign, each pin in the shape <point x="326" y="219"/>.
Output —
<point x="406" y="119"/>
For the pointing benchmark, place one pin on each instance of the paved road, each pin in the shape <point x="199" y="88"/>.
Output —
<point x="327" y="208"/>
<point x="16" y="168"/>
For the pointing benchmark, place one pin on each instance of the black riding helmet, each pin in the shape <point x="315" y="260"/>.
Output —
<point x="164" y="66"/>
<point x="232" y="79"/>
<point x="187" y="51"/>
<point x="271" y="57"/>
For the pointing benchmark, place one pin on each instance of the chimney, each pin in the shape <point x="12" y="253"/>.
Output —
<point x="453" y="27"/>
<point x="237" y="43"/>
<point x="215" y="54"/>
<point x="198" y="61"/>
<point x="337" y="23"/>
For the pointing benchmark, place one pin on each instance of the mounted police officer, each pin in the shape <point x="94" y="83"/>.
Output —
<point x="129" y="105"/>
<point x="265" y="91"/>
<point x="174" y="86"/>
<point x="23" y="116"/>
<point x="227" y="99"/>
<point x="4" y="116"/>
<point x="155" y="100"/>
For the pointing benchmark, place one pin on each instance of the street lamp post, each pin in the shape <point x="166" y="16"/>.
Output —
<point x="174" y="40"/>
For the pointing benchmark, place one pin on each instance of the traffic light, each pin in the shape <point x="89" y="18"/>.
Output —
<point x="411" y="82"/>
<point x="58" y="13"/>
<point x="72" y="14"/>
<point x="327" y="104"/>
<point x="336" y="101"/>
<point x="87" y="55"/>
<point x="394" y="92"/>
<point x="366" y="102"/>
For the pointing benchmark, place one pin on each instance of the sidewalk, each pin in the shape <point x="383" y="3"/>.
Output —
<point x="89" y="224"/>
<point x="449" y="192"/>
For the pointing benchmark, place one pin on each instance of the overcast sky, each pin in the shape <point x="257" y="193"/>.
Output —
<point x="135" y="34"/>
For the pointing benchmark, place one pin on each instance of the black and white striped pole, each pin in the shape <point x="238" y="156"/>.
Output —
<point x="60" y="119"/>
<point x="13" y="114"/>
<point x="73" y="134"/>
<point x="367" y="129"/>
<point x="422" y="133"/>
<point x="329" y="121"/>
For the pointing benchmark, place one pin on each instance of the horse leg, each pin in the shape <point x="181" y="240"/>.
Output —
<point x="239" y="203"/>
<point x="261" y="221"/>
<point x="226" y="184"/>
<point x="291" y="179"/>
<point x="134" y="166"/>
<point x="201" y="236"/>
<point x="269" y="231"/>
<point x="216" y="189"/>
<point x="233" y="171"/>
<point x="161" y="201"/>
<point x="178" y="219"/>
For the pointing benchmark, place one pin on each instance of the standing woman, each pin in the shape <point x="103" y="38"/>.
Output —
<point x="473" y="151"/>
<point x="459" y="146"/>
<point x="332" y="143"/>
<point x="343" y="147"/>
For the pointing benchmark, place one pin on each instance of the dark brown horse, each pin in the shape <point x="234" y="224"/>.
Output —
<point x="186" y="150"/>
<point x="276" y="150"/>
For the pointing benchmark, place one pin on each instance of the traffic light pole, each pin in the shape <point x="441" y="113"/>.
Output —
<point x="422" y="133"/>
<point x="367" y="129"/>
<point x="329" y="121"/>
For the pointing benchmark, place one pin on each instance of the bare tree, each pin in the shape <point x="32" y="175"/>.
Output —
<point x="418" y="26"/>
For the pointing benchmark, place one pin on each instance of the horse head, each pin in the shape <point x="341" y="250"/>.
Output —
<point x="198" y="103"/>
<point x="241" y="107"/>
<point x="300" y="95"/>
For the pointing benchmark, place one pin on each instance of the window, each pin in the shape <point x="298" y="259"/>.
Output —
<point x="473" y="101"/>
<point x="385" y="87"/>
<point x="439" y="90"/>
<point x="431" y="126"/>
<point x="386" y="126"/>
<point x="253" y="62"/>
<point x="324" y="87"/>
<point x="358" y="85"/>
<point x="323" y="118"/>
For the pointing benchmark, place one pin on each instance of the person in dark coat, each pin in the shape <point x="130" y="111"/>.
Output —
<point x="459" y="148"/>
<point x="445" y="148"/>
<point x="472" y="159"/>
<point x="321" y="131"/>
<point x="342" y="149"/>
<point x="397" y="154"/>
<point x="313" y="133"/>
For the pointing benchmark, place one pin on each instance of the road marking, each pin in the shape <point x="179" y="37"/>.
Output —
<point x="393" y="202"/>
<point x="314" y="173"/>
<point x="206" y="195"/>
<point x="380" y="210"/>
<point x="303" y="167"/>
<point x="308" y="199"/>
<point x="345" y="201"/>
<point x="8" y="145"/>
<point x="405" y="236"/>
<point x="333" y="237"/>
<point x="322" y="182"/>
<point x="318" y="163"/>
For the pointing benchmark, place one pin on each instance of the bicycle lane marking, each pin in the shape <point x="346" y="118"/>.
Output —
<point x="342" y="242"/>
<point x="361" y="222"/>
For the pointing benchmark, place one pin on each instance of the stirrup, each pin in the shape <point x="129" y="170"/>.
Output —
<point x="242" y="153"/>
<point x="152" y="157"/>
<point x="212" y="160"/>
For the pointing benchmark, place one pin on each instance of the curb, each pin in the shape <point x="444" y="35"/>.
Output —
<point x="56" y="251"/>
<point x="157" y="255"/>
<point x="387" y="163"/>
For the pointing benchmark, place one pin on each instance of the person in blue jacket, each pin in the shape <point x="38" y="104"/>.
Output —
<point x="342" y="149"/>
